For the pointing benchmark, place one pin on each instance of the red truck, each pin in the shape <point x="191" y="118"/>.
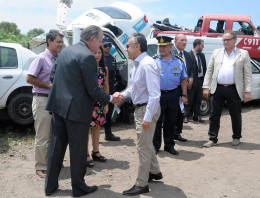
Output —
<point x="214" y="25"/>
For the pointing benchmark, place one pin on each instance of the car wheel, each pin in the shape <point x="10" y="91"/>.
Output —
<point x="20" y="109"/>
<point x="205" y="107"/>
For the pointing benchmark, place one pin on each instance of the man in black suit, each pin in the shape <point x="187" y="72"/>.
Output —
<point x="195" y="92"/>
<point x="180" y="44"/>
<point x="75" y="88"/>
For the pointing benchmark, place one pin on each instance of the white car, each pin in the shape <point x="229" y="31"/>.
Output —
<point x="15" y="92"/>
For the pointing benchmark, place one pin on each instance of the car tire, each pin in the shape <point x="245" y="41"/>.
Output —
<point x="20" y="109"/>
<point x="204" y="107"/>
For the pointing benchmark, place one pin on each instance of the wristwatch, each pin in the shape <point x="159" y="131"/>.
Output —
<point x="184" y="95"/>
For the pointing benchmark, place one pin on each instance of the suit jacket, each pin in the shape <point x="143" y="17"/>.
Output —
<point x="195" y="65"/>
<point x="75" y="86"/>
<point x="242" y="71"/>
<point x="188" y="61"/>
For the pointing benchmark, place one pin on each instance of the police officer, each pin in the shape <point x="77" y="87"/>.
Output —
<point x="110" y="62"/>
<point x="172" y="74"/>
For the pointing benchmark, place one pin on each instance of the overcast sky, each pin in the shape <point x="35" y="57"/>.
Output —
<point x="29" y="14"/>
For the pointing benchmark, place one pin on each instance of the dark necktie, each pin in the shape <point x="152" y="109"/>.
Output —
<point x="180" y="54"/>
<point x="199" y="63"/>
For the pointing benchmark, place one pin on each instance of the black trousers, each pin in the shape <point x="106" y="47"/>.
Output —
<point x="64" y="132"/>
<point x="107" y="125"/>
<point x="194" y="98"/>
<point x="169" y="108"/>
<point x="229" y="95"/>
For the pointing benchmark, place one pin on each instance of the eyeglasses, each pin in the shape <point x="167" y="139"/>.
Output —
<point x="224" y="40"/>
<point x="107" y="45"/>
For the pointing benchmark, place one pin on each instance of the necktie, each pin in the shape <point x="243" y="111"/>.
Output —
<point x="180" y="54"/>
<point x="199" y="63"/>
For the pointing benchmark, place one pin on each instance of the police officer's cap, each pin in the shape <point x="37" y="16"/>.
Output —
<point x="106" y="40"/>
<point x="164" y="40"/>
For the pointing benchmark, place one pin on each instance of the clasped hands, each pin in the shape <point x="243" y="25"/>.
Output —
<point x="117" y="98"/>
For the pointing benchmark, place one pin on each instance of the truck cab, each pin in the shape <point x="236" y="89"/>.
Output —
<point x="214" y="25"/>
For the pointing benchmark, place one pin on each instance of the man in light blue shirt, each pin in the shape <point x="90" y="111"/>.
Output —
<point x="145" y="93"/>
<point x="173" y="80"/>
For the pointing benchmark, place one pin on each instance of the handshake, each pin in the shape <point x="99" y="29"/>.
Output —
<point x="117" y="98"/>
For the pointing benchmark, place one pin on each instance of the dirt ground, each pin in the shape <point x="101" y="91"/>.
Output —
<point x="217" y="172"/>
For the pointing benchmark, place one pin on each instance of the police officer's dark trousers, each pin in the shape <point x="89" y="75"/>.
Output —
<point x="169" y="102"/>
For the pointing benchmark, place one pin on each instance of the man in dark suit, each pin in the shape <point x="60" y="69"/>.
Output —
<point x="195" y="91"/>
<point x="75" y="88"/>
<point x="180" y="44"/>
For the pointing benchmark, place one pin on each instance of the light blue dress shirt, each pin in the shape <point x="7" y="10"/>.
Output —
<point x="171" y="72"/>
<point x="145" y="85"/>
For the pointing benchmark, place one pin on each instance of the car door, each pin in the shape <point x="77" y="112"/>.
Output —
<point x="9" y="68"/>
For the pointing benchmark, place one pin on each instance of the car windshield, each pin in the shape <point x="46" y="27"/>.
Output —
<point x="115" y="13"/>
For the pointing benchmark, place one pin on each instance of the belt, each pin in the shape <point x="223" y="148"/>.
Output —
<point x="41" y="94"/>
<point x="226" y="85"/>
<point x="168" y="91"/>
<point x="139" y="105"/>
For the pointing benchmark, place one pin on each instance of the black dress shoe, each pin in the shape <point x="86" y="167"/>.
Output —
<point x="136" y="190"/>
<point x="196" y="119"/>
<point x="157" y="176"/>
<point x="185" y="119"/>
<point x="111" y="137"/>
<point x="48" y="193"/>
<point x="156" y="151"/>
<point x="86" y="190"/>
<point x="171" y="150"/>
<point x="181" y="139"/>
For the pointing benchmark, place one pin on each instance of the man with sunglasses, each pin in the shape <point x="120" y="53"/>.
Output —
<point x="110" y="62"/>
<point x="228" y="80"/>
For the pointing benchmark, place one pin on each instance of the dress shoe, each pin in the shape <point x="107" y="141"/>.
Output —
<point x="136" y="190"/>
<point x="235" y="142"/>
<point x="181" y="139"/>
<point x="41" y="173"/>
<point x="196" y="119"/>
<point x="48" y="193"/>
<point x="156" y="176"/>
<point x="112" y="137"/>
<point x="186" y="119"/>
<point x="171" y="150"/>
<point x="209" y="144"/>
<point x="86" y="190"/>
<point x="156" y="151"/>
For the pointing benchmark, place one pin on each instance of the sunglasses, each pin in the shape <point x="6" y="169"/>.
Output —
<point x="107" y="45"/>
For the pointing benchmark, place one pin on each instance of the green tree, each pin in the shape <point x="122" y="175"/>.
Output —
<point x="10" y="28"/>
<point x="35" y="32"/>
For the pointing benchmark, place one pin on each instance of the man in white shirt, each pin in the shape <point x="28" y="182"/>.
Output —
<point x="228" y="79"/>
<point x="145" y="93"/>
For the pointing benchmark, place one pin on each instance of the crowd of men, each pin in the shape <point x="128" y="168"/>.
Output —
<point x="166" y="92"/>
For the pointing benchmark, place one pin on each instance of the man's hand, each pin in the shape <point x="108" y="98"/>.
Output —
<point x="247" y="97"/>
<point x="146" y="125"/>
<point x="190" y="82"/>
<point x="206" y="93"/>
<point x="184" y="99"/>
<point x="117" y="98"/>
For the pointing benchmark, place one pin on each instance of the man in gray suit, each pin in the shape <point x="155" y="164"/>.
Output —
<point x="228" y="79"/>
<point x="75" y="88"/>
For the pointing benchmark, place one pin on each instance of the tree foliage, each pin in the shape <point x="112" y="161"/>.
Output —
<point x="10" y="33"/>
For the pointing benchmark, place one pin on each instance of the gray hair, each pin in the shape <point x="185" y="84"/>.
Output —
<point x="90" y="31"/>
<point x="234" y="34"/>
<point x="140" y="39"/>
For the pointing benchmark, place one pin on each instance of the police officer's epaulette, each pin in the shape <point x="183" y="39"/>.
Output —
<point x="157" y="56"/>
<point x="179" y="57"/>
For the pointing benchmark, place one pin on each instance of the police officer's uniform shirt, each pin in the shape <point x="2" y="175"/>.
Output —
<point x="171" y="72"/>
<point x="110" y="62"/>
